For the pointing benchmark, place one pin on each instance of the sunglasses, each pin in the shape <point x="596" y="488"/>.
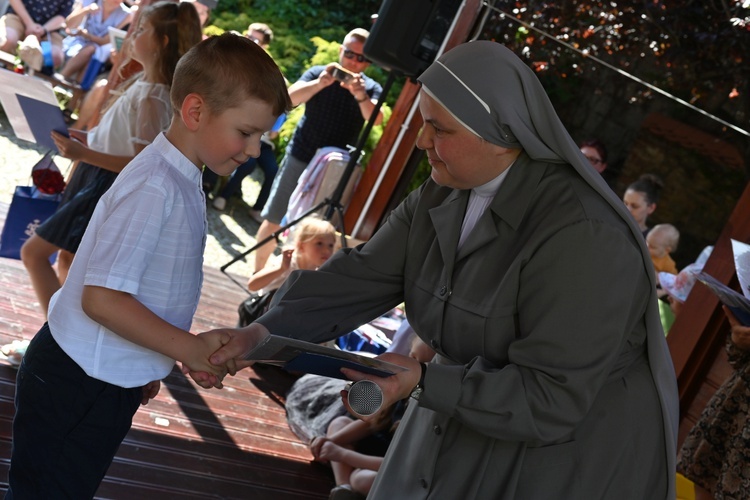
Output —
<point x="350" y="54"/>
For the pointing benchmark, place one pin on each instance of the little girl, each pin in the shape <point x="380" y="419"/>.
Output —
<point x="164" y="33"/>
<point x="314" y="242"/>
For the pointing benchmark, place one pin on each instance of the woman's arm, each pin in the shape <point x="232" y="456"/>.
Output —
<point x="75" y="150"/>
<point x="79" y="13"/>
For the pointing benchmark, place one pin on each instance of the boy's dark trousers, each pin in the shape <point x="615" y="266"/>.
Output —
<point x="67" y="425"/>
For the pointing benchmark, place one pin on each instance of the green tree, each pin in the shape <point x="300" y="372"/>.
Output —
<point x="305" y="34"/>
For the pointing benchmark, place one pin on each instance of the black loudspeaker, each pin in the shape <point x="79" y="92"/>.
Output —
<point x="408" y="34"/>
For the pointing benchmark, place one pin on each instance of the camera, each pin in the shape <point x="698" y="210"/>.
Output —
<point x="341" y="74"/>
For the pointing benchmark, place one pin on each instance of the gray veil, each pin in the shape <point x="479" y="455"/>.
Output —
<point x="494" y="94"/>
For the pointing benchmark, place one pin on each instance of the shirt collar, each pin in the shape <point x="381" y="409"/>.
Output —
<point x="175" y="158"/>
<point x="490" y="189"/>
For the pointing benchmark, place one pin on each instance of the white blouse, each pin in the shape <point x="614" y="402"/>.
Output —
<point x="136" y="117"/>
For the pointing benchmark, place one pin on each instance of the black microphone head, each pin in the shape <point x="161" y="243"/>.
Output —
<point x="365" y="397"/>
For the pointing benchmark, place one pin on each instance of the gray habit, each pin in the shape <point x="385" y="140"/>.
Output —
<point x="553" y="378"/>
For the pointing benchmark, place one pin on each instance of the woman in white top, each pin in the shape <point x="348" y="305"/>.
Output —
<point x="165" y="32"/>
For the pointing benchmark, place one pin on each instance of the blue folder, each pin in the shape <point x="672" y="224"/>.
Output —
<point x="43" y="118"/>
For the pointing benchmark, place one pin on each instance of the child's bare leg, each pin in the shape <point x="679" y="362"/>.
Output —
<point x="64" y="260"/>
<point x="74" y="67"/>
<point x="341" y="471"/>
<point x="35" y="254"/>
<point x="362" y="479"/>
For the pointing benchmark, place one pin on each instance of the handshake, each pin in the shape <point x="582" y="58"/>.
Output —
<point x="217" y="353"/>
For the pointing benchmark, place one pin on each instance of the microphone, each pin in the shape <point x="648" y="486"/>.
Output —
<point x="364" y="397"/>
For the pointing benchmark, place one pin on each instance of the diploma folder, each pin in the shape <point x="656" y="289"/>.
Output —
<point x="737" y="303"/>
<point x="300" y="356"/>
<point x="32" y="108"/>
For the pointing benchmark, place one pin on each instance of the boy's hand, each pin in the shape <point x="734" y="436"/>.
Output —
<point x="241" y="342"/>
<point x="150" y="391"/>
<point x="206" y="344"/>
<point x="230" y="355"/>
<point x="206" y="378"/>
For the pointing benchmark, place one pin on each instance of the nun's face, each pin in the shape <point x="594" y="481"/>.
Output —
<point x="459" y="159"/>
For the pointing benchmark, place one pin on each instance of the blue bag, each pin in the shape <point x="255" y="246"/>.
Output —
<point x="27" y="211"/>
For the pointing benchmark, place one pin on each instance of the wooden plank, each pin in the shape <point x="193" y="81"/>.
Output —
<point x="230" y="443"/>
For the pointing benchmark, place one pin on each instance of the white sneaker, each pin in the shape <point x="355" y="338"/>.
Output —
<point x="220" y="203"/>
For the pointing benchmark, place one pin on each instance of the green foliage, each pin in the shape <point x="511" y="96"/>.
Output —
<point x="305" y="34"/>
<point x="295" y="24"/>
<point x="695" y="50"/>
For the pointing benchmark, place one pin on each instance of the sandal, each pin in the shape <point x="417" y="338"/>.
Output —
<point x="14" y="351"/>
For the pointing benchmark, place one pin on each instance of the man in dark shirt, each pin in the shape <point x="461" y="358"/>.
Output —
<point x="335" y="111"/>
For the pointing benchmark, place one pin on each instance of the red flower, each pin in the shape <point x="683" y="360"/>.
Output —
<point x="48" y="181"/>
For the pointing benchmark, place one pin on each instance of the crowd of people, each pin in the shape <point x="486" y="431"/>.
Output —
<point x="524" y="354"/>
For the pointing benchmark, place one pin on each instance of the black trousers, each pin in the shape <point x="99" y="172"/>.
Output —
<point x="67" y="425"/>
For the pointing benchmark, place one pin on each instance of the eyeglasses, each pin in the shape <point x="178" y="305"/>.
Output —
<point x="350" y="54"/>
<point x="594" y="161"/>
<point x="256" y="40"/>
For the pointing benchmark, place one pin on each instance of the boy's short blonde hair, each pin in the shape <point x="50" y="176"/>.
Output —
<point x="225" y="69"/>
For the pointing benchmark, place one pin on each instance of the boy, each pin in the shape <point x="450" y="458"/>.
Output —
<point x="661" y="241"/>
<point x="122" y="317"/>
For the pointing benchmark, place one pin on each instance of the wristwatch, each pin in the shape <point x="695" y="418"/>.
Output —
<point x="417" y="391"/>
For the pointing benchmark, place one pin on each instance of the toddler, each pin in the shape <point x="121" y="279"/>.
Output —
<point x="314" y="243"/>
<point x="662" y="240"/>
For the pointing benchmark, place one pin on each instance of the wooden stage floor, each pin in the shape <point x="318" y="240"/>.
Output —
<point x="188" y="443"/>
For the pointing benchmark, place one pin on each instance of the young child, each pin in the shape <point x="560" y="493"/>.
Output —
<point x="314" y="242"/>
<point x="661" y="241"/>
<point x="122" y="316"/>
<point x="165" y="32"/>
<point x="355" y="449"/>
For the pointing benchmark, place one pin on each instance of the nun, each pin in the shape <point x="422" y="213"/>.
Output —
<point x="529" y="279"/>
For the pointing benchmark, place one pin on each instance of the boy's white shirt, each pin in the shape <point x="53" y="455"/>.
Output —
<point x="147" y="238"/>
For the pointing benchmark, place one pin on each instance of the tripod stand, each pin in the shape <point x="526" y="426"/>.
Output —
<point x="334" y="201"/>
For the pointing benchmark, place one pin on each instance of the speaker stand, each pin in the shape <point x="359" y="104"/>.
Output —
<point x="333" y="203"/>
